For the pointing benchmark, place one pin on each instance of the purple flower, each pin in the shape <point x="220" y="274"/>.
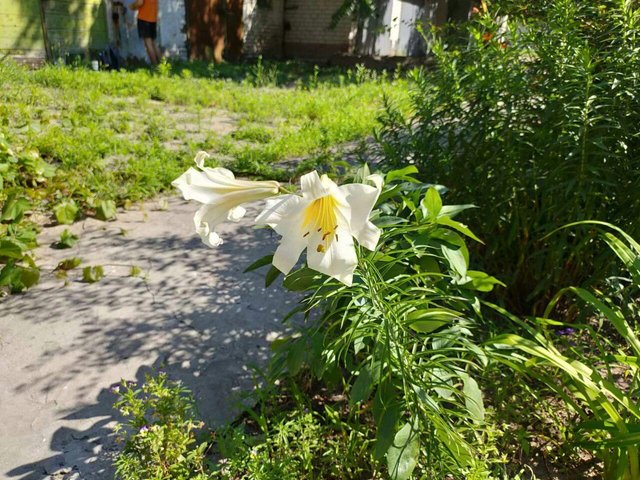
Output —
<point x="144" y="429"/>
<point x="566" y="331"/>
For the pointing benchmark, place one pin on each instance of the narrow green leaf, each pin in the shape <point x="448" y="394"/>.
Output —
<point x="482" y="281"/>
<point x="453" y="210"/>
<point x="386" y="430"/>
<point x="432" y="203"/>
<point x="388" y="221"/>
<point x="401" y="174"/>
<point x="302" y="279"/>
<point x="271" y="276"/>
<point x="261" y="262"/>
<point x="460" y="227"/>
<point x="429" y="319"/>
<point x="456" y="260"/>
<point x="295" y="355"/>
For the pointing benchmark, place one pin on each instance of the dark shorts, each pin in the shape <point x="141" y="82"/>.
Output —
<point x="147" y="29"/>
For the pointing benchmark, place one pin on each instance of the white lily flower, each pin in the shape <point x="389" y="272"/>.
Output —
<point x="221" y="194"/>
<point x="324" y="220"/>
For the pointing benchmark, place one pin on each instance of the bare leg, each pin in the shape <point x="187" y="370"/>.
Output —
<point x="157" y="50"/>
<point x="151" y="47"/>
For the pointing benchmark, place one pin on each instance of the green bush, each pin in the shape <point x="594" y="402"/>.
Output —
<point x="160" y="437"/>
<point x="535" y="119"/>
<point x="596" y="375"/>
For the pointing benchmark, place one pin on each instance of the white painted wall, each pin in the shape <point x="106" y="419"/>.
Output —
<point x="172" y="38"/>
<point x="172" y="32"/>
<point x="394" y="32"/>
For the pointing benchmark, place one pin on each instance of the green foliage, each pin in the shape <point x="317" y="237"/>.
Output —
<point x="68" y="264"/>
<point x="263" y="74"/>
<point x="160" y="434"/>
<point x="597" y="379"/>
<point x="306" y="439"/>
<point x="19" y="171"/>
<point x="359" y="9"/>
<point x="123" y="137"/>
<point x="66" y="212"/>
<point x="92" y="274"/>
<point x="67" y="240"/>
<point x="402" y="339"/>
<point x="106" y="210"/>
<point x="534" y="118"/>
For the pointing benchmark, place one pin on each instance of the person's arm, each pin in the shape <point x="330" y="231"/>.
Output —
<point x="136" y="4"/>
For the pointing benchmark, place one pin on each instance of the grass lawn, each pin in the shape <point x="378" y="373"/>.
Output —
<point x="124" y="136"/>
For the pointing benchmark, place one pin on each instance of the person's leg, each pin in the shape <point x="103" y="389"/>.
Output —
<point x="157" y="50"/>
<point x="152" y="50"/>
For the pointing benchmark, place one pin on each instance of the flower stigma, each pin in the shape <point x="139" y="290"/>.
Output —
<point x="321" y="216"/>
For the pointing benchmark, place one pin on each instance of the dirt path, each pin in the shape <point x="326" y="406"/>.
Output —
<point x="191" y="312"/>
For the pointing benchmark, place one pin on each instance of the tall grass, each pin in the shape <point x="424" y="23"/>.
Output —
<point x="535" y="119"/>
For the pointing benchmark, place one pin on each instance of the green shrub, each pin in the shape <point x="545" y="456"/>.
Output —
<point x="535" y="119"/>
<point x="596" y="376"/>
<point x="160" y="436"/>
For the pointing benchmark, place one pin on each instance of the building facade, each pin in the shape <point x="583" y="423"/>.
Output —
<point x="217" y="29"/>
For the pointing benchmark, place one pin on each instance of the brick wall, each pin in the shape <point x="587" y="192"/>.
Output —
<point x="307" y="33"/>
<point x="263" y="28"/>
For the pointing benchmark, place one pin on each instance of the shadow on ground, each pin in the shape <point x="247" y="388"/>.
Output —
<point x="192" y="312"/>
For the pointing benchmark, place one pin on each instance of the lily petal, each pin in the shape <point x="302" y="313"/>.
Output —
<point x="206" y="219"/>
<point x="313" y="186"/>
<point x="288" y="252"/>
<point x="201" y="156"/>
<point x="362" y="198"/>
<point x="222" y="195"/>
<point x="338" y="261"/>
<point x="213" y="185"/>
<point x="235" y="214"/>
<point x="376" y="179"/>
<point x="282" y="213"/>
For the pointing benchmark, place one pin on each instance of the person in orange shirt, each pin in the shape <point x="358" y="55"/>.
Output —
<point x="148" y="27"/>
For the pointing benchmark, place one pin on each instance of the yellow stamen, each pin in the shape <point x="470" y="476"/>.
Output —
<point x="321" y="215"/>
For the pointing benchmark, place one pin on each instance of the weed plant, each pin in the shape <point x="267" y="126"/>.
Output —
<point x="534" y="117"/>
<point x="160" y="439"/>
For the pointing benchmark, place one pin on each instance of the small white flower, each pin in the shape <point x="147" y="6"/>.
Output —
<point x="221" y="194"/>
<point x="324" y="220"/>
